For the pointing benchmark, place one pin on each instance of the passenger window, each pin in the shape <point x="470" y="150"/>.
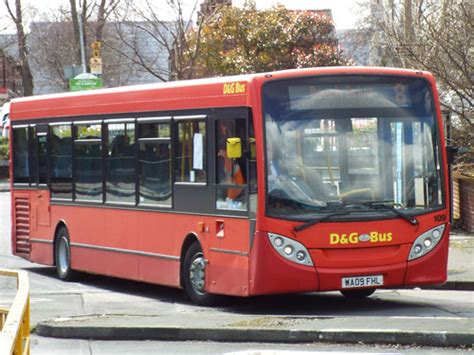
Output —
<point x="33" y="156"/>
<point x="231" y="172"/>
<point x="154" y="144"/>
<point x="21" y="169"/>
<point x="88" y="162"/>
<point x="61" y="162"/>
<point x="120" y="163"/>
<point x="42" y="151"/>
<point x="191" y="151"/>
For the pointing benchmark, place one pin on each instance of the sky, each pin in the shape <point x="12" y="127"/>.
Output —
<point x="342" y="10"/>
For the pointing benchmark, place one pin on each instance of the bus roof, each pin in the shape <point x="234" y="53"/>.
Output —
<point x="231" y="91"/>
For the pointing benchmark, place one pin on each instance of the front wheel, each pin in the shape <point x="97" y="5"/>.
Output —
<point x="62" y="255"/>
<point x="194" y="274"/>
<point x="362" y="293"/>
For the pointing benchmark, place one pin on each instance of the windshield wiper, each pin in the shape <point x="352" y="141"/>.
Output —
<point x="388" y="206"/>
<point x="319" y="219"/>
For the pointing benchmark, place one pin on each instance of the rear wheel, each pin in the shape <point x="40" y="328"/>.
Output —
<point x="194" y="275"/>
<point x="62" y="255"/>
<point x="362" y="293"/>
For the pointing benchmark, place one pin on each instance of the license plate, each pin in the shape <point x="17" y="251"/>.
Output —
<point x="362" y="281"/>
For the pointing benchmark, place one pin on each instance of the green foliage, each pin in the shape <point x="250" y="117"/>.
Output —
<point x="4" y="149"/>
<point x="244" y="40"/>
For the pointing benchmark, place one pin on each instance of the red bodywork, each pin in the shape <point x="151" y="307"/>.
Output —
<point x="148" y="245"/>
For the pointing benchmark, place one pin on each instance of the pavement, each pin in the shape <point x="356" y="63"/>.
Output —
<point x="229" y="326"/>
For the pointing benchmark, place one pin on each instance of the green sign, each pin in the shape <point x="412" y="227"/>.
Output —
<point x="85" y="84"/>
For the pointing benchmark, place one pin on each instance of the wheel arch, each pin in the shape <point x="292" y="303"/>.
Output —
<point x="188" y="241"/>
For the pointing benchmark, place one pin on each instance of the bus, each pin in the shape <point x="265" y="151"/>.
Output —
<point x="304" y="180"/>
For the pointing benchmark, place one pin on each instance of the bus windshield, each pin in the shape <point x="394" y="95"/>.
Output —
<point x="351" y="142"/>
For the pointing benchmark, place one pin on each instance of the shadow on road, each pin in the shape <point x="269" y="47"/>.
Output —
<point x="309" y="304"/>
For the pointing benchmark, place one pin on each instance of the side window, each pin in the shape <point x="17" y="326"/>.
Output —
<point x="88" y="162"/>
<point x="252" y="175"/>
<point x="120" y="162"/>
<point x="191" y="150"/>
<point x="154" y="170"/>
<point x="20" y="142"/>
<point x="231" y="172"/>
<point x="61" y="161"/>
<point x="33" y="156"/>
<point x="42" y="153"/>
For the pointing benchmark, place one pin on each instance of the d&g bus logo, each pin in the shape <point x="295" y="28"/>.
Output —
<point x="355" y="238"/>
<point x="234" y="88"/>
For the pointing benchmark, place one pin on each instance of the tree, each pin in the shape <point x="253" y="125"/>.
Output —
<point x="61" y="26"/>
<point x="437" y="36"/>
<point x="26" y="76"/>
<point x="244" y="40"/>
<point x="153" y="36"/>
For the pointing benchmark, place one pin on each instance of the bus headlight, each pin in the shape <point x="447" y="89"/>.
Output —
<point x="426" y="242"/>
<point x="290" y="249"/>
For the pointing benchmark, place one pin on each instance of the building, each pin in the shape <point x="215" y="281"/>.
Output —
<point x="131" y="54"/>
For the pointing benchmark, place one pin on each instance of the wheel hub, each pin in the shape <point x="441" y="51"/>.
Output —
<point x="197" y="274"/>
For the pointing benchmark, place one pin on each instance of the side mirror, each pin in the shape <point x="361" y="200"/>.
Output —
<point x="234" y="147"/>
<point x="452" y="151"/>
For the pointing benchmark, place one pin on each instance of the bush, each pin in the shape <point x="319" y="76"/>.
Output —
<point x="4" y="149"/>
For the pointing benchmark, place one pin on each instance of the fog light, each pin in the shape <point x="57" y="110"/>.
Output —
<point x="288" y="250"/>
<point x="428" y="242"/>
<point x="278" y="242"/>
<point x="300" y="255"/>
<point x="436" y="234"/>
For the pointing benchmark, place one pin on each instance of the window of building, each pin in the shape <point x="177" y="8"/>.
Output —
<point x="88" y="162"/>
<point x="120" y="162"/>
<point x="61" y="161"/>
<point x="154" y="174"/>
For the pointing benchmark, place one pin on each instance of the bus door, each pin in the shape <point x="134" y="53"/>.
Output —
<point x="232" y="166"/>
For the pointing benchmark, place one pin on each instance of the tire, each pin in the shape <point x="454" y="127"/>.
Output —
<point x="62" y="256"/>
<point x="194" y="276"/>
<point x="357" y="294"/>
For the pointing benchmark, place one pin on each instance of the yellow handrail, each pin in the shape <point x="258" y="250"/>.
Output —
<point x="15" y="328"/>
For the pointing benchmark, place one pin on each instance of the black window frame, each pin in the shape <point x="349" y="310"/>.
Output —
<point x="140" y="122"/>
<point x="50" y="157"/>
<point x="177" y="119"/>
<point x="171" y="117"/>
<point x="80" y="141"/>
<point x="105" y="171"/>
